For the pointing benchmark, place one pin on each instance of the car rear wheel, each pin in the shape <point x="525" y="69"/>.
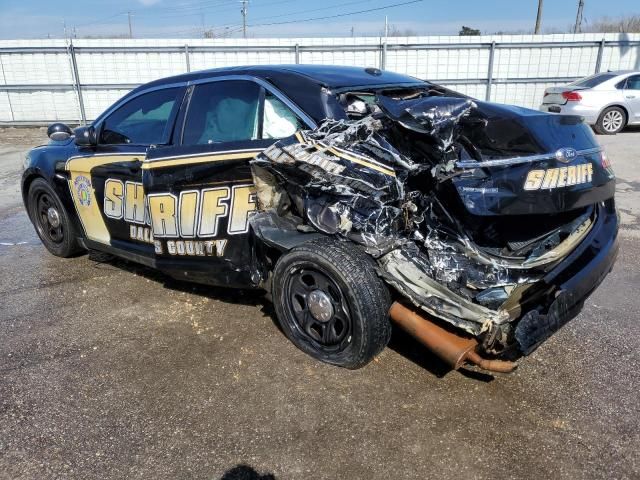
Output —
<point x="331" y="303"/>
<point x="51" y="220"/>
<point x="611" y="121"/>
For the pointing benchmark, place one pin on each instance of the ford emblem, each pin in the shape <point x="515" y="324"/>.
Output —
<point x="566" y="155"/>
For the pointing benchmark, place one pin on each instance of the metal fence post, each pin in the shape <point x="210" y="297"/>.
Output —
<point x="600" y="53"/>
<point x="492" y="52"/>
<point x="186" y="58"/>
<point x="383" y="55"/>
<point x="297" y="53"/>
<point x="4" y="78"/>
<point x="76" y="82"/>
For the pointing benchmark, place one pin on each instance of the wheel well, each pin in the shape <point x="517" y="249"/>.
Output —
<point x="621" y="107"/>
<point x="26" y="183"/>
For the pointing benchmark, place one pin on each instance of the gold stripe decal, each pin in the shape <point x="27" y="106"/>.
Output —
<point x="84" y="195"/>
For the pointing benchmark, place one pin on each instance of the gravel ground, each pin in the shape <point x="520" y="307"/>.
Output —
<point x="110" y="370"/>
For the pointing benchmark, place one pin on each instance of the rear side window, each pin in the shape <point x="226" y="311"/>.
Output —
<point x="633" y="83"/>
<point x="279" y="121"/>
<point x="593" y="80"/>
<point x="143" y="120"/>
<point x="225" y="111"/>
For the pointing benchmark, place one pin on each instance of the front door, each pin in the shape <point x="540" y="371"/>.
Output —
<point x="106" y="180"/>
<point x="200" y="191"/>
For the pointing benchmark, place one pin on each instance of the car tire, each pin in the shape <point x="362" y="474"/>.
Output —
<point x="51" y="220"/>
<point x="331" y="303"/>
<point x="611" y="121"/>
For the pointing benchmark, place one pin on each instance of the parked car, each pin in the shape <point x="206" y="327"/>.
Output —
<point x="350" y="196"/>
<point x="609" y="101"/>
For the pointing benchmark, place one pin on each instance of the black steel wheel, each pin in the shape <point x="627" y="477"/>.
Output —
<point x="51" y="220"/>
<point x="330" y="302"/>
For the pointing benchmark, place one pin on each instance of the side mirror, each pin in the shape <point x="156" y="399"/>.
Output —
<point x="86" y="136"/>
<point x="58" y="132"/>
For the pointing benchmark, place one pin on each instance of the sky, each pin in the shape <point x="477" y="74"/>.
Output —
<point x="268" y="18"/>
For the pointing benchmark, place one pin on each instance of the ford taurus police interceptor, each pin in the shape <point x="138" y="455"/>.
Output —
<point x="352" y="196"/>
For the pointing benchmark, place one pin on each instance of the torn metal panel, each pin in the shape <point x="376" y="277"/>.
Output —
<point x="409" y="276"/>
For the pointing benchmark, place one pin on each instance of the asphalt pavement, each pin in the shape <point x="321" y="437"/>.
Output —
<point x="110" y="370"/>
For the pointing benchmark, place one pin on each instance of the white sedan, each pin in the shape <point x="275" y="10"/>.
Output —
<point x="609" y="100"/>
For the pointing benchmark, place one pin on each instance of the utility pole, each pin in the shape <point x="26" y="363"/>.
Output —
<point x="578" y="26"/>
<point x="130" y="30"/>
<point x="244" y="18"/>
<point x="386" y="27"/>
<point x="539" y="17"/>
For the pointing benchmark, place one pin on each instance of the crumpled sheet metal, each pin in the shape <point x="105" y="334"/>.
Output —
<point x="405" y="273"/>
<point x="345" y="178"/>
<point x="337" y="191"/>
<point x="438" y="117"/>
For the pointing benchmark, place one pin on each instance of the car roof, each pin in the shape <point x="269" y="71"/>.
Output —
<point x="301" y="83"/>
<point x="330" y="76"/>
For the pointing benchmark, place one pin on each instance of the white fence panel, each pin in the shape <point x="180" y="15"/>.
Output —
<point x="43" y="80"/>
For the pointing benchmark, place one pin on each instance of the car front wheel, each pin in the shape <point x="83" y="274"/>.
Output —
<point x="611" y="121"/>
<point x="51" y="220"/>
<point x="331" y="303"/>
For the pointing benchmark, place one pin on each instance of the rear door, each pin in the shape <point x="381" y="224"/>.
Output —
<point x="632" y="98"/>
<point x="200" y="190"/>
<point x="106" y="180"/>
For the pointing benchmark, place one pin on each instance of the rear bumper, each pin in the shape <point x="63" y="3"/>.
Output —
<point x="590" y="114"/>
<point x="565" y="288"/>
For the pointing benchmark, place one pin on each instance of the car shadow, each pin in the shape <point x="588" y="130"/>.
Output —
<point x="630" y="129"/>
<point x="245" y="472"/>
<point x="225" y="294"/>
<point x="400" y="342"/>
<point x="407" y="346"/>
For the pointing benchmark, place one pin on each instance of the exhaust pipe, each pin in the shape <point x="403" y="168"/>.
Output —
<point x="453" y="349"/>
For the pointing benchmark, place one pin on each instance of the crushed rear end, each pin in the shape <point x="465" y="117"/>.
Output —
<point x="496" y="222"/>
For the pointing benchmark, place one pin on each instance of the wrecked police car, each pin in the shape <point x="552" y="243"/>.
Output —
<point x="352" y="196"/>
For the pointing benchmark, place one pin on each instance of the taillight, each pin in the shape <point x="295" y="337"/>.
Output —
<point x="571" y="96"/>
<point x="604" y="160"/>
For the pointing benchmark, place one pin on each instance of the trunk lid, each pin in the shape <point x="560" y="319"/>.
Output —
<point x="533" y="163"/>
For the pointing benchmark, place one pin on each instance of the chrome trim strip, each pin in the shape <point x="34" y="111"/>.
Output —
<point x="504" y="162"/>
<point x="204" y="154"/>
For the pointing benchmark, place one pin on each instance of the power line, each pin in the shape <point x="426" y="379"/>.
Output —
<point x="234" y="28"/>
<point x="342" y="4"/>
<point x="327" y="17"/>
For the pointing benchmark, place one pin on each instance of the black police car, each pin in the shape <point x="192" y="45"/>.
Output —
<point x="350" y="195"/>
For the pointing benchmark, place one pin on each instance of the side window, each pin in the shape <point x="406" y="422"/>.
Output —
<point x="224" y="111"/>
<point x="278" y="119"/>
<point x="143" y="120"/>
<point x="633" y="83"/>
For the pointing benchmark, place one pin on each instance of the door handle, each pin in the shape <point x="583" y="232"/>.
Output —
<point x="630" y="96"/>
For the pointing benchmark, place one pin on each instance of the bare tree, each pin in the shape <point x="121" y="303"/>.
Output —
<point x="628" y="24"/>
<point x="395" y="31"/>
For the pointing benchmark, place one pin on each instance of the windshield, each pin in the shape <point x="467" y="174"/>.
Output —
<point x="593" y="80"/>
